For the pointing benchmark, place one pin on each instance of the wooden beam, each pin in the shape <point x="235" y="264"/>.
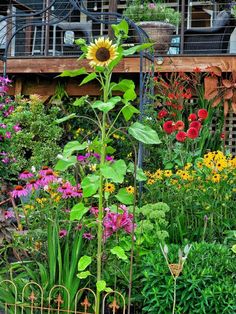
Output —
<point x="176" y="63"/>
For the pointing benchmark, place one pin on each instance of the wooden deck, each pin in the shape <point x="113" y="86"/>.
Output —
<point x="46" y="68"/>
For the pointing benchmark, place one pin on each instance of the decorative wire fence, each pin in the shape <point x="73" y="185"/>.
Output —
<point x="32" y="298"/>
<point x="49" y="27"/>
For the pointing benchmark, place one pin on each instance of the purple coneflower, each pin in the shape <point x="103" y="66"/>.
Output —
<point x="26" y="175"/>
<point x="19" y="191"/>
<point x="62" y="233"/>
<point x="33" y="184"/>
<point x="88" y="236"/>
<point x="16" y="128"/>
<point x="9" y="214"/>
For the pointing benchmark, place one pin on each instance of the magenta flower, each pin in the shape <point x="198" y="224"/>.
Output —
<point x="6" y="160"/>
<point x="151" y="6"/>
<point x="70" y="191"/>
<point x="26" y="175"/>
<point x="44" y="169"/>
<point x="8" y="134"/>
<point x="48" y="177"/>
<point x="62" y="233"/>
<point x="88" y="236"/>
<point x="19" y="191"/>
<point x="65" y="186"/>
<point x="33" y="185"/>
<point x="94" y="211"/>
<point x="81" y="158"/>
<point x="9" y="214"/>
<point x="3" y="126"/>
<point x="115" y="221"/>
<point x="16" y="128"/>
<point x="110" y="158"/>
<point x="96" y="155"/>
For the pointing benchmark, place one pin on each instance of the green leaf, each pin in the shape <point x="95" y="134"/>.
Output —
<point x="144" y="133"/>
<point x="234" y="248"/>
<point x="137" y="48"/>
<point x="84" y="274"/>
<point x="124" y="85"/>
<point x="73" y="146"/>
<point x="115" y="171"/>
<point x="119" y="252"/>
<point x="70" y="116"/>
<point x="108" y="290"/>
<point x="90" y="185"/>
<point x="88" y="78"/>
<point x="101" y="285"/>
<point x="64" y="163"/>
<point x="169" y="166"/>
<point x="80" y="42"/>
<point x="128" y="111"/>
<point x="140" y="175"/>
<point x="106" y="106"/>
<point x="121" y="29"/>
<point x="124" y="197"/>
<point x="73" y="73"/>
<point x="130" y="95"/>
<point x="78" y="211"/>
<point x="80" y="101"/>
<point x="84" y="262"/>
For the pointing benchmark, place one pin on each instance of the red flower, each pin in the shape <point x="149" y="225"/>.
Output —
<point x="222" y="136"/>
<point x="168" y="127"/>
<point x="172" y="96"/>
<point x="192" y="133"/>
<point x="162" y="114"/>
<point x="192" y="117"/>
<point x="195" y="124"/>
<point x="202" y="114"/>
<point x="179" y="125"/>
<point x="197" y="70"/>
<point x="181" y="136"/>
<point x="155" y="78"/>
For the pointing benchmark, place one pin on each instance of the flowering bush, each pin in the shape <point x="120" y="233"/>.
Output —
<point x="201" y="196"/>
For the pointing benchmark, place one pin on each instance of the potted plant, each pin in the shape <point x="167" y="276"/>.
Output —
<point x="156" y="19"/>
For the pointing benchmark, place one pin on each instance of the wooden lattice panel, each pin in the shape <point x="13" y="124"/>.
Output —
<point x="230" y="129"/>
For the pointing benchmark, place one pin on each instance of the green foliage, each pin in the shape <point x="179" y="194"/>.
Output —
<point x="152" y="225"/>
<point x="140" y="11"/>
<point x="207" y="284"/>
<point x="37" y="143"/>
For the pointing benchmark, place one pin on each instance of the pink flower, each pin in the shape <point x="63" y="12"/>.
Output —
<point x="9" y="214"/>
<point x="151" y="6"/>
<point x="88" y="236"/>
<point x="48" y="177"/>
<point x="44" y="169"/>
<point x="33" y="185"/>
<point x="110" y="158"/>
<point x="195" y="124"/>
<point x="25" y="175"/>
<point x="94" y="211"/>
<point x="8" y="134"/>
<point x="115" y="221"/>
<point x="19" y="191"/>
<point x="62" y="233"/>
<point x="16" y="128"/>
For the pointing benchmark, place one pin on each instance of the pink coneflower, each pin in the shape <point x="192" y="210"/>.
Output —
<point x="96" y="155"/>
<point x="110" y="158"/>
<point x="6" y="160"/>
<point x="48" y="177"/>
<point x="81" y="158"/>
<point x="33" y="184"/>
<point x="192" y="133"/>
<point x="94" y="210"/>
<point x="8" y="134"/>
<point x="79" y="227"/>
<point x="3" y="126"/>
<point x="44" y="169"/>
<point x="19" y="191"/>
<point x="181" y="136"/>
<point x="151" y="6"/>
<point x="62" y="233"/>
<point x="65" y="186"/>
<point x="25" y="175"/>
<point x="88" y="236"/>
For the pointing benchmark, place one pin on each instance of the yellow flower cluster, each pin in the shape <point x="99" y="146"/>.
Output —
<point x="214" y="167"/>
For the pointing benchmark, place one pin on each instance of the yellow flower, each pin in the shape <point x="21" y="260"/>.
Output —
<point x="150" y="181"/>
<point x="93" y="167"/>
<point x="101" y="53"/>
<point x="130" y="189"/>
<point x="109" y="187"/>
<point x="199" y="164"/>
<point x="41" y="200"/>
<point x="215" y="178"/>
<point x="158" y="174"/>
<point x="167" y="173"/>
<point x="28" y="206"/>
<point x="116" y="136"/>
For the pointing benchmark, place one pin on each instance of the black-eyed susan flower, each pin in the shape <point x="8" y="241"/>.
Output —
<point x="130" y="189"/>
<point x="215" y="178"/>
<point x="102" y="52"/>
<point x="109" y="187"/>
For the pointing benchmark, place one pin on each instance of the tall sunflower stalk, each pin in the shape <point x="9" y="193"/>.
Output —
<point x="103" y="55"/>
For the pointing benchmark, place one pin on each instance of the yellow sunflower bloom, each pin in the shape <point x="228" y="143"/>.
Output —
<point x="130" y="189"/>
<point x="102" y="52"/>
<point x="109" y="187"/>
<point x="215" y="178"/>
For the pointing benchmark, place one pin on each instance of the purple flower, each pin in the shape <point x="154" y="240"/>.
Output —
<point x="110" y="158"/>
<point x="62" y="233"/>
<point x="33" y="185"/>
<point x="25" y="175"/>
<point x="81" y="158"/>
<point x="69" y="191"/>
<point x="3" y="126"/>
<point x="9" y="214"/>
<point x="88" y="236"/>
<point x="94" y="210"/>
<point x="96" y="155"/>
<point x="16" y="128"/>
<point x="19" y="191"/>
<point x="8" y="134"/>
<point x="151" y="6"/>
<point x="6" y="160"/>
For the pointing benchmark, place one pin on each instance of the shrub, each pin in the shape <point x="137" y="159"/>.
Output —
<point x="207" y="284"/>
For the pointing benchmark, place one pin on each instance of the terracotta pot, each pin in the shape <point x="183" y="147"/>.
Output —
<point x="160" y="33"/>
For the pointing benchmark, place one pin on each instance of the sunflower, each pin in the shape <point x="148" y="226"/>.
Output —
<point x="102" y="52"/>
<point x="109" y="187"/>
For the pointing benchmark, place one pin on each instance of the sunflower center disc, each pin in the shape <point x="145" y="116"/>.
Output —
<point x="102" y="54"/>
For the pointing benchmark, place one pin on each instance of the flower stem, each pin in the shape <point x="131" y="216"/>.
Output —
<point x="174" y="301"/>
